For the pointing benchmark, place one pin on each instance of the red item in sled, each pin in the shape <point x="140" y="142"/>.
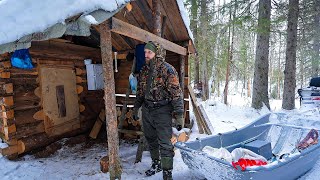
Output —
<point x="310" y="139"/>
<point x="244" y="163"/>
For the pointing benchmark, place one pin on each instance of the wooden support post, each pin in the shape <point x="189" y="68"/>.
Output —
<point x="182" y="71"/>
<point x="110" y="101"/>
<point x="134" y="32"/>
<point x="156" y="16"/>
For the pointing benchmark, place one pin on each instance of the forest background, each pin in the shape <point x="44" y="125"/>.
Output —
<point x="268" y="47"/>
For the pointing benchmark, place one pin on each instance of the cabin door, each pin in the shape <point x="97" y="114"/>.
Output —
<point x="59" y="99"/>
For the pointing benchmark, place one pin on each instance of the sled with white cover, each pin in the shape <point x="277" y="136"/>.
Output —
<point x="287" y="161"/>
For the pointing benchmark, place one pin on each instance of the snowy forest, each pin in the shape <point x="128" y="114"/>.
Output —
<point x="271" y="47"/>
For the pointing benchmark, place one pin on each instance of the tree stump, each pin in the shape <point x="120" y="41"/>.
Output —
<point x="104" y="164"/>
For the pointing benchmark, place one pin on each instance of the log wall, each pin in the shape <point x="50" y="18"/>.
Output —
<point x="20" y="102"/>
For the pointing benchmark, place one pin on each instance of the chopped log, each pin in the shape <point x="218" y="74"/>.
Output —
<point x="14" y="149"/>
<point x="80" y="80"/>
<point x="79" y="89"/>
<point x="37" y="92"/>
<point x="135" y="123"/>
<point x="129" y="114"/>
<point x="104" y="164"/>
<point x="39" y="115"/>
<point x="80" y="72"/>
<point x="173" y="139"/>
<point x="183" y="137"/>
<point x="6" y="88"/>
<point x="9" y="114"/>
<point x="97" y="125"/>
<point x="8" y="129"/>
<point x="6" y="101"/>
<point x="81" y="108"/>
<point x="130" y="120"/>
<point x="4" y="75"/>
<point x="118" y="111"/>
<point x="5" y="64"/>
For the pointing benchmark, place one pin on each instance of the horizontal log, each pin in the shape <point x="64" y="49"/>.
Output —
<point x="23" y="81"/>
<point x="17" y="71"/>
<point x="133" y="132"/>
<point x="29" y="129"/>
<point x="134" y="32"/>
<point x="17" y="148"/>
<point x="25" y="117"/>
<point x="62" y="50"/>
<point x="58" y="61"/>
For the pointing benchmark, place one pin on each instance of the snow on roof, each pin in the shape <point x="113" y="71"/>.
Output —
<point x="20" y="18"/>
<point x="35" y="20"/>
<point x="185" y="17"/>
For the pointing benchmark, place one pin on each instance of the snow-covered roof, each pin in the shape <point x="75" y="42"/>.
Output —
<point x="27" y="20"/>
<point x="35" y="20"/>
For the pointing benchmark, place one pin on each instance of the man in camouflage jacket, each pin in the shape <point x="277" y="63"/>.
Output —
<point x="159" y="94"/>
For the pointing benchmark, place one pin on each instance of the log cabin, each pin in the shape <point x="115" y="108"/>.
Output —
<point x="53" y="99"/>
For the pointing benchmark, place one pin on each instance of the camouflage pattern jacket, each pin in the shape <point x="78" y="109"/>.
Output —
<point x="164" y="84"/>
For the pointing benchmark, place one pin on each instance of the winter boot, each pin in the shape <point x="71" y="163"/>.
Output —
<point x="167" y="174"/>
<point x="167" y="165"/>
<point x="155" y="167"/>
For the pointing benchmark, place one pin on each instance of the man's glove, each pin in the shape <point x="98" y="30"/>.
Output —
<point x="135" y="114"/>
<point x="179" y="122"/>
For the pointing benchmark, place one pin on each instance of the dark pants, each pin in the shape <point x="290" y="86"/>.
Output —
<point x="157" y="127"/>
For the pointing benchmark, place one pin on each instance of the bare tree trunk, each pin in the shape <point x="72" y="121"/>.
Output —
<point x="290" y="67"/>
<point x="316" y="39"/>
<point x="279" y="68"/>
<point x="110" y="101"/>
<point x="260" y="81"/>
<point x="230" y="56"/>
<point x="156" y="15"/>
<point x="194" y="27"/>
<point x="204" y="24"/>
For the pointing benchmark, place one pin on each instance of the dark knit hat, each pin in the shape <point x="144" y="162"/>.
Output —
<point x="150" y="45"/>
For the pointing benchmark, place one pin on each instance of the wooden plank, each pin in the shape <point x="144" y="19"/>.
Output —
<point x="134" y="32"/>
<point x="196" y="111"/>
<point x="206" y="120"/>
<point x="62" y="111"/>
<point x="97" y="125"/>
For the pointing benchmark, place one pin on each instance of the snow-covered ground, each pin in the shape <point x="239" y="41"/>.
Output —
<point x="82" y="162"/>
